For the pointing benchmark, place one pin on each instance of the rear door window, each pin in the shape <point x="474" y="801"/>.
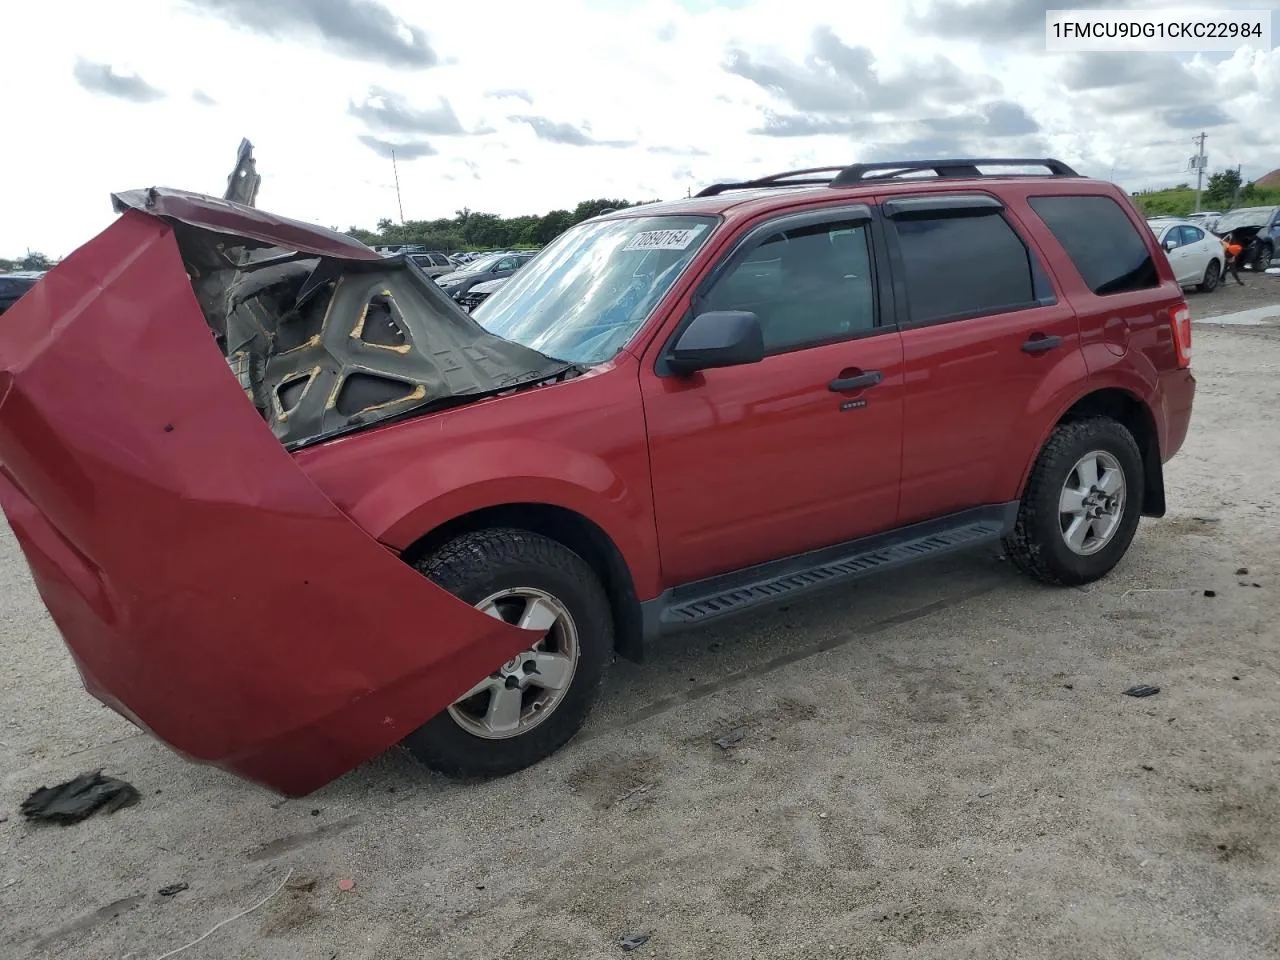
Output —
<point x="1191" y="235"/>
<point x="1100" y="241"/>
<point x="959" y="266"/>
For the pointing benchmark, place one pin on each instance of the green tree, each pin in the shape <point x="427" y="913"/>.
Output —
<point x="34" y="261"/>
<point x="469" y="229"/>
<point x="1221" y="191"/>
<point x="551" y="225"/>
<point x="590" y="208"/>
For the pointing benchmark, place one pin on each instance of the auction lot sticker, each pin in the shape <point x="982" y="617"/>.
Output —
<point x="1177" y="29"/>
<point x="662" y="239"/>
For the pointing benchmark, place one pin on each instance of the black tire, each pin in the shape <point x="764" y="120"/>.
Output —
<point x="477" y="565"/>
<point x="1212" y="274"/>
<point x="1037" y="546"/>
<point x="1263" y="260"/>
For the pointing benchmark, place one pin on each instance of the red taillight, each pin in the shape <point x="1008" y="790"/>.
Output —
<point x="1180" y="317"/>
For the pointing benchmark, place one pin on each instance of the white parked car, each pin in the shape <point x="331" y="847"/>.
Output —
<point x="1195" y="254"/>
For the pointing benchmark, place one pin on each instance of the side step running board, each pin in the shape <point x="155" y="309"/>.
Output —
<point x="705" y="601"/>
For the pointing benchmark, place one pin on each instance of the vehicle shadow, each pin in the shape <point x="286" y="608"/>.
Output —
<point x="702" y="663"/>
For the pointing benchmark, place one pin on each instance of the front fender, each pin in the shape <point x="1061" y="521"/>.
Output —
<point x="436" y="486"/>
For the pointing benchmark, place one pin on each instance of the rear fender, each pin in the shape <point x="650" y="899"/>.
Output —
<point x="1133" y="386"/>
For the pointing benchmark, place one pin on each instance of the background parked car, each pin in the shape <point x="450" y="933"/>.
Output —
<point x="14" y="285"/>
<point x="1205" y="219"/>
<point x="1253" y="223"/>
<point x="434" y="263"/>
<point x="1195" y="254"/>
<point x="479" y="293"/>
<point x="495" y="266"/>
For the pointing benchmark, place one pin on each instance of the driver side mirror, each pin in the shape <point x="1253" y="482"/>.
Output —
<point x="719" y="338"/>
<point x="1170" y="244"/>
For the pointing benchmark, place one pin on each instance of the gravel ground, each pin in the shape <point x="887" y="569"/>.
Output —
<point x="1259" y="290"/>
<point x="938" y="763"/>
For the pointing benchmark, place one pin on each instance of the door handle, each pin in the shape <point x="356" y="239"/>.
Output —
<point x="868" y="379"/>
<point x="1041" y="344"/>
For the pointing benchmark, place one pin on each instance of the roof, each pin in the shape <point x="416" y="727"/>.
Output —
<point x="752" y="201"/>
<point x="862" y="181"/>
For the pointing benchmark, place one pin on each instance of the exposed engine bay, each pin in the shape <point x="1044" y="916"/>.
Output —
<point x="326" y="344"/>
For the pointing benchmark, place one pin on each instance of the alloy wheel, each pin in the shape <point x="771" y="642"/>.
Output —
<point x="1092" y="502"/>
<point x="525" y="690"/>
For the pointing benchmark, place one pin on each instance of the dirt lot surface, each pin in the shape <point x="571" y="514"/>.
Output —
<point x="1259" y="290"/>
<point x="933" y="764"/>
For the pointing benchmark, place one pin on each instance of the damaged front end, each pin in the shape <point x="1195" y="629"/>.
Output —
<point x="205" y="587"/>
<point x="326" y="344"/>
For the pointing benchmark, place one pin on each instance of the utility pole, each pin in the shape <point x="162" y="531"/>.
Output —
<point x="401" y="204"/>
<point x="1199" y="161"/>
<point x="1235" y="194"/>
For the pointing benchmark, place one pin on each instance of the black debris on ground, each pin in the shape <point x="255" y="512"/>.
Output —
<point x="1242" y="572"/>
<point x="1211" y="593"/>
<point x="1142" y="690"/>
<point x="78" y="799"/>
<point x="732" y="738"/>
<point x="173" y="888"/>
<point x="1147" y="767"/>
<point x="635" y="941"/>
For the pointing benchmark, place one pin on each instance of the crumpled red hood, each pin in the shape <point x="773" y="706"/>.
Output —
<point x="206" y="589"/>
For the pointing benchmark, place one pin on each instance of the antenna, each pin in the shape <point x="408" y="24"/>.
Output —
<point x="396" y="172"/>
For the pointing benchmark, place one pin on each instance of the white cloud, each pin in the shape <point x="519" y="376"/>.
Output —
<point x="519" y="81"/>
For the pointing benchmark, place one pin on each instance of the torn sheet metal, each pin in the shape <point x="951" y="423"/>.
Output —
<point x="206" y="588"/>
<point x="325" y="341"/>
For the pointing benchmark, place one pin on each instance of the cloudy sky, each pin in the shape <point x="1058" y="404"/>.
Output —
<point x="521" y="107"/>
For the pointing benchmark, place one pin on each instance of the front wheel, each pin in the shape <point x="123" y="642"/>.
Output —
<point x="535" y="702"/>
<point x="1081" y="507"/>
<point x="1262" y="262"/>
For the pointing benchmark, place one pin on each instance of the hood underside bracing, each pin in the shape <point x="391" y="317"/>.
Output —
<point x="324" y="339"/>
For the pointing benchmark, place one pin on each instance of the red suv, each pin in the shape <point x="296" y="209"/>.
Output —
<point x="290" y="506"/>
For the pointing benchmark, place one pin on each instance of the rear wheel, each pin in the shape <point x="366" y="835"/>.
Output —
<point x="1212" y="274"/>
<point x="1263" y="261"/>
<point x="1082" y="504"/>
<point x="535" y="702"/>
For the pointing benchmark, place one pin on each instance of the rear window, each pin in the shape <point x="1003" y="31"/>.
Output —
<point x="964" y="266"/>
<point x="1103" y="244"/>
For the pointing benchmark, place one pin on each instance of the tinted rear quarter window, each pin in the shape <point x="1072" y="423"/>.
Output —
<point x="963" y="266"/>
<point x="1103" y="244"/>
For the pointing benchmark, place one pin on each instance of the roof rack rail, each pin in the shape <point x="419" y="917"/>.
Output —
<point x="845" y="176"/>
<point x="773" y="180"/>
<point x="968" y="167"/>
